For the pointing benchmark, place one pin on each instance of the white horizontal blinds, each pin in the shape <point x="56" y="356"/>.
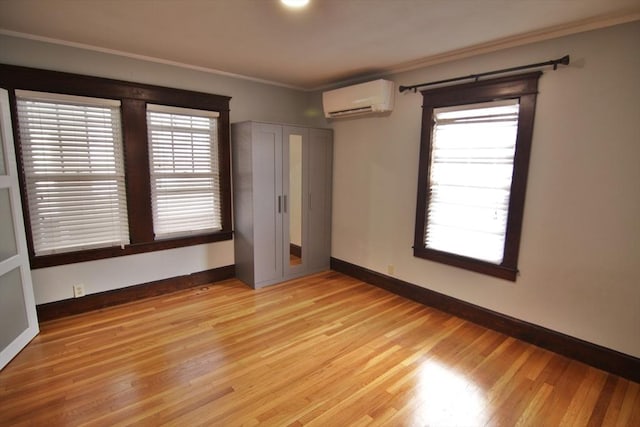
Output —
<point x="473" y="147"/>
<point x="74" y="172"/>
<point x="185" y="180"/>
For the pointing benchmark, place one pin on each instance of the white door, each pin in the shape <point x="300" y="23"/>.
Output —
<point x="268" y="202"/>
<point x="18" y="321"/>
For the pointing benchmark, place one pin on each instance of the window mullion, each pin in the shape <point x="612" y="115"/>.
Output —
<point x="136" y="156"/>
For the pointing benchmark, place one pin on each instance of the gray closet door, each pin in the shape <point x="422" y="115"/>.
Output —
<point x="295" y="143"/>
<point x="267" y="201"/>
<point x="319" y="198"/>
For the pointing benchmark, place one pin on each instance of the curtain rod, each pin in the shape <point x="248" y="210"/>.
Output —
<point x="555" y="62"/>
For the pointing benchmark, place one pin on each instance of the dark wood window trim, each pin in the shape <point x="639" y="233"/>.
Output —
<point x="133" y="98"/>
<point x="525" y="88"/>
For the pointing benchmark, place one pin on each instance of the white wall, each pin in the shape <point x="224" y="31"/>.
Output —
<point x="250" y="101"/>
<point x="580" y="249"/>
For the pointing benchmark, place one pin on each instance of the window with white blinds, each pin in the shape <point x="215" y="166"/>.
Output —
<point x="73" y="166"/>
<point x="185" y="178"/>
<point x="471" y="169"/>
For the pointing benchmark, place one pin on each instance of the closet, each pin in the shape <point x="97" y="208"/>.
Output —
<point x="281" y="201"/>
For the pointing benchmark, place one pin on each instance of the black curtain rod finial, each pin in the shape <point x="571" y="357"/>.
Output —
<point x="564" y="61"/>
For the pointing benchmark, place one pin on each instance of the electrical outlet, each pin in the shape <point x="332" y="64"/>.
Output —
<point x="78" y="290"/>
<point x="391" y="269"/>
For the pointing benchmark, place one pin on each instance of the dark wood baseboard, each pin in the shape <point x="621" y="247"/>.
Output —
<point x="69" y="307"/>
<point x="597" y="356"/>
<point x="295" y="250"/>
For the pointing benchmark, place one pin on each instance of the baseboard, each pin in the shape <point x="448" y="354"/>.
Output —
<point x="295" y="250"/>
<point x="592" y="354"/>
<point x="69" y="307"/>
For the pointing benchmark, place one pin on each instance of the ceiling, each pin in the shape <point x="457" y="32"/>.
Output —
<point x="330" y="41"/>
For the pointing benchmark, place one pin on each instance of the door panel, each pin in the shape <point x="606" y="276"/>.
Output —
<point x="18" y="320"/>
<point x="13" y="313"/>
<point x="319" y="198"/>
<point x="267" y="188"/>
<point x="8" y="246"/>
<point x="294" y="184"/>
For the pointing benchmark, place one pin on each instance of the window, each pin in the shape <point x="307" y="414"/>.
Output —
<point x="183" y="154"/>
<point x="74" y="172"/>
<point x="474" y="157"/>
<point x="107" y="168"/>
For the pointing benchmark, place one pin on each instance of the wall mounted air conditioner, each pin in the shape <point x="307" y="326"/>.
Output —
<point x="365" y="98"/>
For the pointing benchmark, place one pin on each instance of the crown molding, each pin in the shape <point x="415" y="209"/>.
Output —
<point x="520" y="40"/>
<point x="146" y="58"/>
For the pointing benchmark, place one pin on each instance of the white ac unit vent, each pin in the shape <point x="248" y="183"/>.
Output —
<point x="358" y="100"/>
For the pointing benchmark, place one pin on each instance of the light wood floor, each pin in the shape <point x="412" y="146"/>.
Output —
<point x="326" y="350"/>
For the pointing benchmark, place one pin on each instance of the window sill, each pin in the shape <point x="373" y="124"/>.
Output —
<point x="472" y="264"/>
<point x="136" y="248"/>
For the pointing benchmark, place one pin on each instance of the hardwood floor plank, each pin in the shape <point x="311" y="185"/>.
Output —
<point x="615" y="403"/>
<point x="323" y="350"/>
<point x="629" y="409"/>
<point x="584" y="400"/>
<point x="530" y="414"/>
<point x="604" y="401"/>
